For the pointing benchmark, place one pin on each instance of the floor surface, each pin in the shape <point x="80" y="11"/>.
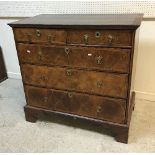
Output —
<point x="53" y="135"/>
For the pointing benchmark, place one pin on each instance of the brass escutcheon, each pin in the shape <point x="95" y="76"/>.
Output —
<point x="67" y="50"/>
<point x="97" y="34"/>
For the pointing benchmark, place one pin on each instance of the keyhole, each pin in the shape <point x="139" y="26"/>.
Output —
<point x="97" y="34"/>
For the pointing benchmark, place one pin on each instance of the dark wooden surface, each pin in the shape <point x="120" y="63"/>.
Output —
<point x="3" y="74"/>
<point x="69" y="82"/>
<point x="74" y="19"/>
<point x="29" y="35"/>
<point x="90" y="82"/>
<point x="90" y="58"/>
<point x="119" y="131"/>
<point x="119" y="37"/>
<point x="76" y="103"/>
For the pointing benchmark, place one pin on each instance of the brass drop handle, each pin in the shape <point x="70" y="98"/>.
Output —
<point x="98" y="109"/>
<point x="110" y="38"/>
<point x="38" y="33"/>
<point x="68" y="72"/>
<point x="99" y="84"/>
<point x="70" y="95"/>
<point x="40" y="54"/>
<point x="43" y="78"/>
<point x="67" y="50"/>
<point x="49" y="38"/>
<point x="86" y="38"/>
<point x="99" y="60"/>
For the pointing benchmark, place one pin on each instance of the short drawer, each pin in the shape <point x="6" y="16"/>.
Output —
<point x="101" y="83"/>
<point x="32" y="35"/>
<point x="76" y="103"/>
<point x="105" y="59"/>
<point x="100" y="37"/>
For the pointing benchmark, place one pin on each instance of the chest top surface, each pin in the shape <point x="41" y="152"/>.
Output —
<point x="67" y="20"/>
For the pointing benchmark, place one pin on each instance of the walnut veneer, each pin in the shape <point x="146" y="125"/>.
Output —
<point x="79" y="66"/>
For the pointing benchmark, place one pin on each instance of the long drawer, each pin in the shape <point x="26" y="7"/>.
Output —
<point x="100" y="83"/>
<point x="77" y="103"/>
<point x="105" y="59"/>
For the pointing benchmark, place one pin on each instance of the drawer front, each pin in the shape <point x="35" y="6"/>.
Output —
<point x="100" y="83"/>
<point x="100" y="37"/>
<point x="44" y="55"/>
<point x="36" y="97"/>
<point x="32" y="35"/>
<point x="76" y="103"/>
<point x="34" y="75"/>
<point x="106" y="59"/>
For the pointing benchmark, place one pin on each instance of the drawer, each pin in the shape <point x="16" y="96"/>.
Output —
<point x="43" y="55"/>
<point x="106" y="59"/>
<point x="76" y="103"/>
<point x="100" y="83"/>
<point x="100" y="37"/>
<point x="32" y="35"/>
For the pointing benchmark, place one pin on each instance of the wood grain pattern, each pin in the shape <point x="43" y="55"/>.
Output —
<point x="35" y="75"/>
<point x="79" y="66"/>
<point x="129" y="21"/>
<point x="48" y="36"/>
<point x="100" y="83"/>
<point x="119" y="37"/>
<point x="112" y="59"/>
<point x="77" y="103"/>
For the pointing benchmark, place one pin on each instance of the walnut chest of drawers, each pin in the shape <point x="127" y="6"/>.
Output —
<point x="79" y="66"/>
